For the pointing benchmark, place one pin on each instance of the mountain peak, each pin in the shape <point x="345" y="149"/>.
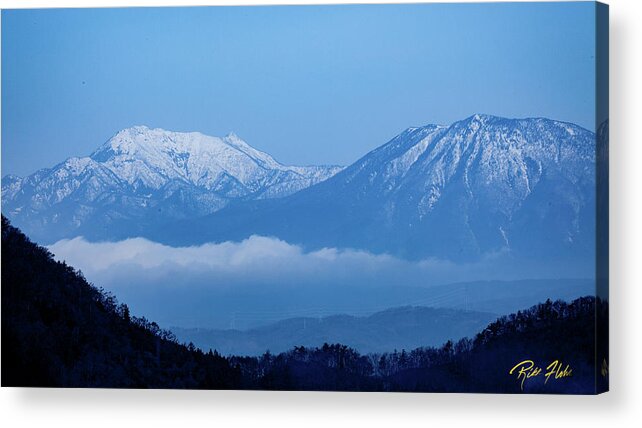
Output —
<point x="461" y="192"/>
<point x="139" y="128"/>
<point x="426" y="128"/>
<point x="134" y="130"/>
<point x="157" y="173"/>
<point x="480" y="119"/>
<point x="458" y="191"/>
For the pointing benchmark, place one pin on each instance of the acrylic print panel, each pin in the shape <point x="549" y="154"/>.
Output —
<point x="347" y="197"/>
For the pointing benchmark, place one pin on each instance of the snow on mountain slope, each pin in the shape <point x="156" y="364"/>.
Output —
<point x="150" y="158"/>
<point x="481" y="186"/>
<point x="477" y="188"/>
<point x="145" y="176"/>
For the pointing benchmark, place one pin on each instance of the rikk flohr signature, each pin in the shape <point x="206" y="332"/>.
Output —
<point x="527" y="370"/>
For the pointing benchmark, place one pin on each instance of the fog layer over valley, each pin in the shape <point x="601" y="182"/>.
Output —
<point x="261" y="280"/>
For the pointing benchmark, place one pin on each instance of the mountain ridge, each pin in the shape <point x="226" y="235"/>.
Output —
<point x="141" y="173"/>
<point x="405" y="327"/>
<point x="481" y="186"/>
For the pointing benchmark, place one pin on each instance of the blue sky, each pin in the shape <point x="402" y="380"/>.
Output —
<point x="313" y="84"/>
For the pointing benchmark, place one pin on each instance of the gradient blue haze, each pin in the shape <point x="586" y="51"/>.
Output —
<point x="313" y="84"/>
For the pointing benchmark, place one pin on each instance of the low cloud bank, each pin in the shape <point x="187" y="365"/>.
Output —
<point x="254" y="261"/>
<point x="260" y="279"/>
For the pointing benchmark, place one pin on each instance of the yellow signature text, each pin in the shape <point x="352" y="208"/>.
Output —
<point x="527" y="369"/>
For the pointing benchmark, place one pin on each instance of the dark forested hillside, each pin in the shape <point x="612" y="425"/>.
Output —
<point x="59" y="330"/>
<point x="545" y="333"/>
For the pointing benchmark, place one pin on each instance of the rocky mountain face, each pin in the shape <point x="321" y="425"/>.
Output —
<point x="477" y="188"/>
<point x="143" y="177"/>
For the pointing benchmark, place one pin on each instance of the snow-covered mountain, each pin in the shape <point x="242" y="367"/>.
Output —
<point x="474" y="189"/>
<point x="144" y="176"/>
<point x="481" y="186"/>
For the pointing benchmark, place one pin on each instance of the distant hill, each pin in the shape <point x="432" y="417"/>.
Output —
<point x="245" y="309"/>
<point x="504" y="297"/>
<point x="397" y="328"/>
